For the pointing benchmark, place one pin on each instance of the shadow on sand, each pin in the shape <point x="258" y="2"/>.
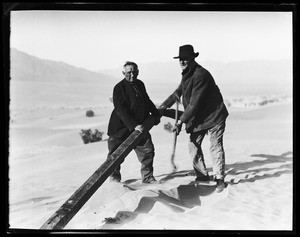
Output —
<point x="177" y="199"/>
<point x="188" y="196"/>
<point x="255" y="170"/>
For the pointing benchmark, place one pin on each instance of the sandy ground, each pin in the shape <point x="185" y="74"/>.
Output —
<point x="48" y="162"/>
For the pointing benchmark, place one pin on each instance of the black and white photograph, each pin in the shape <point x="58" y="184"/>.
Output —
<point x="165" y="119"/>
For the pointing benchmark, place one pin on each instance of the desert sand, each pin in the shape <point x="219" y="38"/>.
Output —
<point x="48" y="162"/>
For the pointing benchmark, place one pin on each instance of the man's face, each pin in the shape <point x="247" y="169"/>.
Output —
<point x="185" y="62"/>
<point x="130" y="73"/>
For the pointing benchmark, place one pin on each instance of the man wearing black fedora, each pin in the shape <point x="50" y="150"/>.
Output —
<point x="204" y="113"/>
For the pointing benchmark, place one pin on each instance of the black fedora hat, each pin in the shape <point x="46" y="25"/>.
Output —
<point x="186" y="51"/>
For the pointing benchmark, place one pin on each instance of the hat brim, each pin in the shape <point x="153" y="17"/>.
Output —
<point x="195" y="56"/>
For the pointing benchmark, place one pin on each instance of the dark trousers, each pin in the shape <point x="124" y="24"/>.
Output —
<point x="216" y="150"/>
<point x="145" y="154"/>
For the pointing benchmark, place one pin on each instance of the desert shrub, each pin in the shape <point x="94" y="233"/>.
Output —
<point x="89" y="136"/>
<point x="90" y="113"/>
<point x="96" y="136"/>
<point x="263" y="102"/>
<point x="168" y="127"/>
<point x="111" y="220"/>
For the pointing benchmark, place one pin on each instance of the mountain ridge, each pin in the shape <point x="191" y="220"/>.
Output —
<point x="26" y="67"/>
<point x="40" y="82"/>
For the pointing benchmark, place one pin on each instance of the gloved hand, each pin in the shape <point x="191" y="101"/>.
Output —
<point x="177" y="127"/>
<point x="176" y="97"/>
<point x="139" y="128"/>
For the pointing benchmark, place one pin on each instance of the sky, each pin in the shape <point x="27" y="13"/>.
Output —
<point x="97" y="40"/>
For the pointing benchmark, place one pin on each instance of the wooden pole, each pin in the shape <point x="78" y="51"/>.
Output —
<point x="175" y="139"/>
<point x="68" y="210"/>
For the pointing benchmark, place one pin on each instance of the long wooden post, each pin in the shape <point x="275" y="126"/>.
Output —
<point x="68" y="210"/>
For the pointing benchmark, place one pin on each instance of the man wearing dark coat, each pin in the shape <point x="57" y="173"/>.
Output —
<point x="132" y="106"/>
<point x="204" y="112"/>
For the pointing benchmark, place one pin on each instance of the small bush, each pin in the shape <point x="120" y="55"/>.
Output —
<point x="90" y="113"/>
<point x="168" y="127"/>
<point x="111" y="220"/>
<point x="89" y="136"/>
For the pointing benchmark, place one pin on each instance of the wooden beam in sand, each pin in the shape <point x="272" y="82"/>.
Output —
<point x="68" y="210"/>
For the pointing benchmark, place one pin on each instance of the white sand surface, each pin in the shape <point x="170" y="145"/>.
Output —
<point x="48" y="162"/>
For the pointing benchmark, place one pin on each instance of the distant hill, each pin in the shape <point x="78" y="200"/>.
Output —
<point x="25" y="67"/>
<point x="254" y="72"/>
<point x="236" y="79"/>
<point x="45" y="83"/>
<point x="37" y="82"/>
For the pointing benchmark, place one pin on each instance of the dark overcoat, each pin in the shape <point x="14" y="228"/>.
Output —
<point x="131" y="108"/>
<point x="202" y="100"/>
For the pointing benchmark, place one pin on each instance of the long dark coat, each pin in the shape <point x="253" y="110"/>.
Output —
<point x="131" y="108"/>
<point x="202" y="100"/>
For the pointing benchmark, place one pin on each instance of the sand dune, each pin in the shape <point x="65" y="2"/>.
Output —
<point x="48" y="162"/>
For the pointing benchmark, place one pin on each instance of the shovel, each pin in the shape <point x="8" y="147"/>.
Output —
<point x="175" y="139"/>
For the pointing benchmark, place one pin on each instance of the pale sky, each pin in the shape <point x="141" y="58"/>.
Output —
<point x="97" y="40"/>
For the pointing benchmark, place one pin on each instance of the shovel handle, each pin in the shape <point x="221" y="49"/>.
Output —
<point x="175" y="139"/>
<point x="176" y="112"/>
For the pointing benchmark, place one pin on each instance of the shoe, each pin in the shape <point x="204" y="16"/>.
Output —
<point x="203" y="178"/>
<point x="220" y="185"/>
<point x="150" y="180"/>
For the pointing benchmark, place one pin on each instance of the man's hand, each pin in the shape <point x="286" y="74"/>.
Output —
<point x="177" y="127"/>
<point x="139" y="128"/>
<point x="176" y="97"/>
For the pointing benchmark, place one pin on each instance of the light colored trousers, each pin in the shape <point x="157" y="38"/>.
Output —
<point x="216" y="150"/>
